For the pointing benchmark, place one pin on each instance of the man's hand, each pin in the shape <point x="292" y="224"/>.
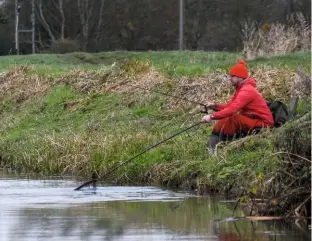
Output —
<point x="206" y="119"/>
<point x="208" y="106"/>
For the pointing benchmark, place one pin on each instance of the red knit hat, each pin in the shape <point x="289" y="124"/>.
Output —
<point x="239" y="70"/>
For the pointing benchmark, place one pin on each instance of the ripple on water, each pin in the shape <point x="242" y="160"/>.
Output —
<point x="28" y="192"/>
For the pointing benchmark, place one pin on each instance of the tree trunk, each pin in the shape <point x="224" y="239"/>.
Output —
<point x="45" y="23"/>
<point x="100" y="20"/>
<point x="85" y="10"/>
<point x="63" y="18"/>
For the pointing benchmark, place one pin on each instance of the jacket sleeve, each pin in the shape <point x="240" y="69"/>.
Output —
<point x="221" y="106"/>
<point x="244" y="97"/>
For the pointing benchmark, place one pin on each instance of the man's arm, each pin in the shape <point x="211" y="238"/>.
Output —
<point x="220" y="106"/>
<point x="242" y="99"/>
<point x="223" y="106"/>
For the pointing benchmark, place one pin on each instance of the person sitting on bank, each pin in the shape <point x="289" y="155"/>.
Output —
<point x="246" y="110"/>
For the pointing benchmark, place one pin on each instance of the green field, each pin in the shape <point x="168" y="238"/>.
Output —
<point x="174" y="63"/>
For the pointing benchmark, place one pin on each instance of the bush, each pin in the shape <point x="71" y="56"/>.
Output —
<point x="64" y="46"/>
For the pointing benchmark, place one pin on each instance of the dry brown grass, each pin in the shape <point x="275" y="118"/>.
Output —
<point x="19" y="86"/>
<point x="146" y="80"/>
<point x="277" y="38"/>
<point x="273" y="83"/>
<point x="116" y="78"/>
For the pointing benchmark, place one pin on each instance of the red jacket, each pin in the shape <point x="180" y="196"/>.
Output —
<point x="247" y="101"/>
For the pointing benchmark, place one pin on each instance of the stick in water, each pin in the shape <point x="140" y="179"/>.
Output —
<point x="94" y="180"/>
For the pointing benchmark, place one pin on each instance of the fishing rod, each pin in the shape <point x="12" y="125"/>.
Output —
<point x="94" y="180"/>
<point x="173" y="96"/>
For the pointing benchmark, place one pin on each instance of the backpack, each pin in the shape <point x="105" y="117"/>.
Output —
<point x="279" y="112"/>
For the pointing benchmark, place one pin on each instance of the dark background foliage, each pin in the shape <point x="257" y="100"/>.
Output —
<point x="139" y="25"/>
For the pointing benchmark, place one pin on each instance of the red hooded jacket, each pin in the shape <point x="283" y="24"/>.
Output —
<point x="246" y="101"/>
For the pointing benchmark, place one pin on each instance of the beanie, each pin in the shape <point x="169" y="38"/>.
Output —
<point x="239" y="70"/>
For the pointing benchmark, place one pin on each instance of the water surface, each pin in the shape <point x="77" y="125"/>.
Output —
<point x="51" y="210"/>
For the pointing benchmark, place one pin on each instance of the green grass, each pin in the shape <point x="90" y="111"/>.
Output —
<point x="293" y="61"/>
<point x="172" y="63"/>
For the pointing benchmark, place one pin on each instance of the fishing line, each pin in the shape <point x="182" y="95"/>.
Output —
<point x="169" y="95"/>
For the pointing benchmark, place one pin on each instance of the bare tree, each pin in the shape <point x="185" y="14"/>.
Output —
<point x="100" y="20"/>
<point x="44" y="22"/>
<point x="85" y="8"/>
<point x="55" y="29"/>
<point x="61" y="10"/>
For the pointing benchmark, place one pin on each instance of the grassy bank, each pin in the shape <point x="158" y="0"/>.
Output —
<point x="79" y="114"/>
<point x="174" y="63"/>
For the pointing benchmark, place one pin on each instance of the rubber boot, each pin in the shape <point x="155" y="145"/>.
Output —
<point x="212" y="142"/>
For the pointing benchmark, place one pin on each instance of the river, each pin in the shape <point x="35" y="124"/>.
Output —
<point x="50" y="209"/>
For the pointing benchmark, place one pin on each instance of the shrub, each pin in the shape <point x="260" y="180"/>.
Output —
<point x="276" y="39"/>
<point x="64" y="46"/>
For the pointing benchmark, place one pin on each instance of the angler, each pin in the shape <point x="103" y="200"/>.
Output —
<point x="246" y="110"/>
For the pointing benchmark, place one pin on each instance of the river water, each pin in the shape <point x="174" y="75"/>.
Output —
<point x="51" y="210"/>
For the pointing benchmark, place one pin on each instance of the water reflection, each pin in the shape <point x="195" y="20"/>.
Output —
<point x="51" y="210"/>
<point x="261" y="230"/>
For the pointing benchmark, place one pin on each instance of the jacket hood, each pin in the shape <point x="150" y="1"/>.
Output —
<point x="250" y="81"/>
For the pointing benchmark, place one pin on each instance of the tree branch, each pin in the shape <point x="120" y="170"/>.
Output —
<point x="45" y="23"/>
